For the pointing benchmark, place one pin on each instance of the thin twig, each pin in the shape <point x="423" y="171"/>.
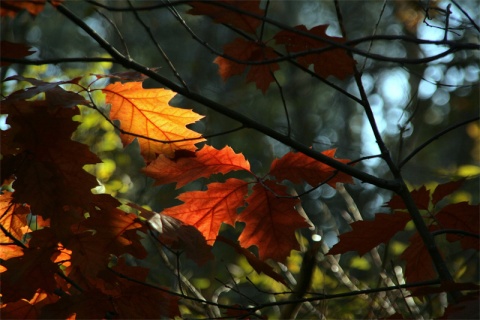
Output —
<point x="435" y="137"/>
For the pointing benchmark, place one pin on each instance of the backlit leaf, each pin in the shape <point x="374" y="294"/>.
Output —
<point x="207" y="210"/>
<point x="271" y="222"/>
<point x="298" y="167"/>
<point x="201" y="164"/>
<point x="418" y="263"/>
<point x="146" y="112"/>
<point x="444" y="189"/>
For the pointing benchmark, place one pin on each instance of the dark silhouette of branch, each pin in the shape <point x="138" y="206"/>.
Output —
<point x="435" y="137"/>
<point x="57" y="60"/>
<point x="455" y="231"/>
<point x="246" y="121"/>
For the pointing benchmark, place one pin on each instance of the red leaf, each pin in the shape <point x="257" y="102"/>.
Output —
<point x="241" y="49"/>
<point x="366" y="235"/>
<point x="334" y="62"/>
<point x="258" y="265"/>
<point x="297" y="167"/>
<point x="271" y="222"/>
<point x="228" y="16"/>
<point x="418" y="264"/>
<point x="421" y="197"/>
<point x="12" y="7"/>
<point x="206" y="210"/>
<point x="461" y="216"/>
<point x="12" y="50"/>
<point x="203" y="164"/>
<point x="444" y="189"/>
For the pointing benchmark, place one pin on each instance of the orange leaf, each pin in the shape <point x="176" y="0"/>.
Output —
<point x="146" y="112"/>
<point x="36" y="266"/>
<point x="241" y="49"/>
<point x="202" y="164"/>
<point x="13" y="218"/>
<point x="24" y="309"/>
<point x="366" y="235"/>
<point x="206" y="210"/>
<point x="12" y="50"/>
<point x="297" y="167"/>
<point x="271" y="222"/>
<point x="334" y="62"/>
<point x="225" y="15"/>
<point x="12" y="7"/>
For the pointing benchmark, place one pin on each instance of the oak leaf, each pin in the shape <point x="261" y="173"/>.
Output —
<point x="12" y="50"/>
<point x="201" y="164"/>
<point x="174" y="233"/>
<point x="418" y="263"/>
<point x="207" y="210"/>
<point x="464" y="217"/>
<point x="13" y="218"/>
<point x="233" y="17"/>
<point x="37" y="266"/>
<point x="28" y="309"/>
<point x="335" y="62"/>
<point x="298" y="167"/>
<point x="421" y="197"/>
<point x="244" y="50"/>
<point x="444" y="189"/>
<point x="160" y="128"/>
<point x="366" y="235"/>
<point x="271" y="221"/>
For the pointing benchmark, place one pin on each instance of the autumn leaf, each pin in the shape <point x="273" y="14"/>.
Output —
<point x="464" y="217"/>
<point x="271" y="221"/>
<point x="12" y="50"/>
<point x="174" y="233"/>
<point x="444" y="189"/>
<point x="298" y="167"/>
<point x="334" y="62"/>
<point x="12" y="7"/>
<point x="232" y="17"/>
<point x="366" y="235"/>
<point x="421" y="197"/>
<point x="207" y="210"/>
<point x="35" y="265"/>
<point x="116" y="232"/>
<point x="418" y="263"/>
<point x="13" y="218"/>
<point x="38" y="150"/>
<point x="147" y="114"/>
<point x="28" y="309"/>
<point x="244" y="50"/>
<point x="201" y="164"/>
<point x="258" y="265"/>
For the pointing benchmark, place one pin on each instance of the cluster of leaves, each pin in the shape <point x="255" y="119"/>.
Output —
<point x="64" y="249"/>
<point x="259" y="57"/>
<point x="76" y="232"/>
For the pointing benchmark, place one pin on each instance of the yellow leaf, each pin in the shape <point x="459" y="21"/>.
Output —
<point x="145" y="114"/>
